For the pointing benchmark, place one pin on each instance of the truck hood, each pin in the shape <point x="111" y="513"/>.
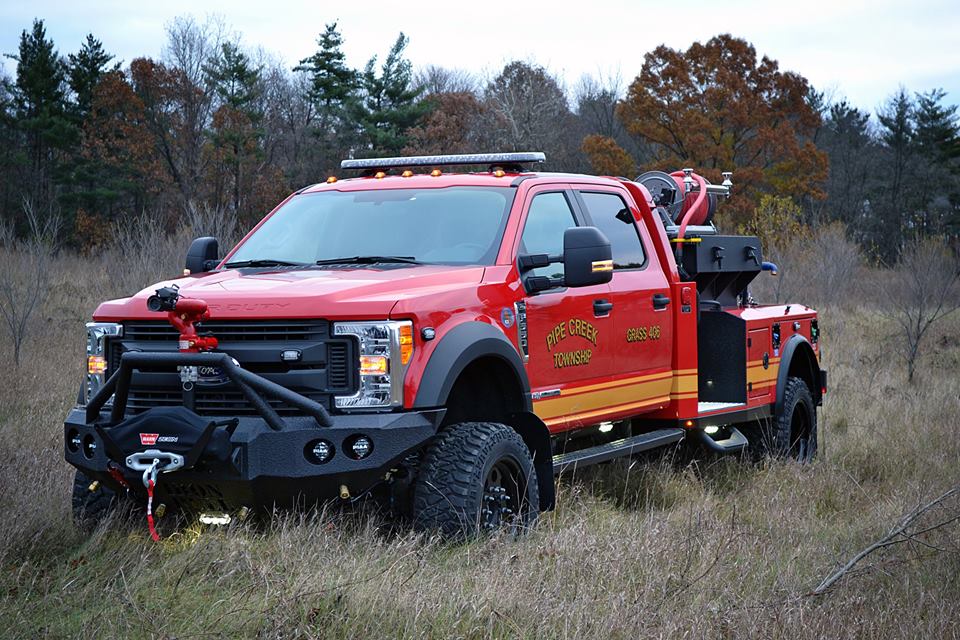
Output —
<point x="336" y="293"/>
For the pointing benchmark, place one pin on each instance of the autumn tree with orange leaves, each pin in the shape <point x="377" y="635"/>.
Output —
<point x="716" y="107"/>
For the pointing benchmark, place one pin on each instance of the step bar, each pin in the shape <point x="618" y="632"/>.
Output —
<point x="616" y="449"/>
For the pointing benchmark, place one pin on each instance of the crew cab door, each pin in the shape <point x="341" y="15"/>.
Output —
<point x="570" y="330"/>
<point x="641" y="298"/>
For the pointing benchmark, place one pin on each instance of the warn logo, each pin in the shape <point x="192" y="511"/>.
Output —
<point x="147" y="439"/>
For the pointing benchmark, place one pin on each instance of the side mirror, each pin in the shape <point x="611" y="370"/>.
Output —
<point x="203" y="255"/>
<point x="587" y="259"/>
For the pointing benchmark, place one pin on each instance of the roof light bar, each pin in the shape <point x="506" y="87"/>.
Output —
<point x="492" y="159"/>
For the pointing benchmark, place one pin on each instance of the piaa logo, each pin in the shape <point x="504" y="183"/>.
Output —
<point x="147" y="439"/>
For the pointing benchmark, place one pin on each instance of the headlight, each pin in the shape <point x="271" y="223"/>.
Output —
<point x="386" y="349"/>
<point x="97" y="334"/>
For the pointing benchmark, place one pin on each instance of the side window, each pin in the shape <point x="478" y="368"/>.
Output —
<point x="549" y="216"/>
<point x="611" y="215"/>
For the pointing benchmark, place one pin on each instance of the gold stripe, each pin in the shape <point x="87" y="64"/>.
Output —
<point x="616" y="383"/>
<point x="604" y="400"/>
<point x="589" y="415"/>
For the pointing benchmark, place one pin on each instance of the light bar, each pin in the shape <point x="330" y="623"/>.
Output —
<point x="446" y="161"/>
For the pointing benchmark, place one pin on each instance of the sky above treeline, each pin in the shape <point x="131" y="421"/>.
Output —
<point x="858" y="50"/>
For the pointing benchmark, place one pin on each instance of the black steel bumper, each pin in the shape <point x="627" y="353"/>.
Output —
<point x="269" y="462"/>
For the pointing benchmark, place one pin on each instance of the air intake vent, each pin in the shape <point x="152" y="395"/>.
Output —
<point x="338" y="370"/>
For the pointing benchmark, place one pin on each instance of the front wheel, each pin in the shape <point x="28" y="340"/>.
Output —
<point x="92" y="502"/>
<point x="476" y="477"/>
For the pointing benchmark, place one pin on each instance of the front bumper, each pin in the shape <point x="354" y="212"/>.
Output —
<point x="269" y="461"/>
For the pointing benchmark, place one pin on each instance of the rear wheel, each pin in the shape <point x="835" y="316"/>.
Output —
<point x="476" y="477"/>
<point x="792" y="433"/>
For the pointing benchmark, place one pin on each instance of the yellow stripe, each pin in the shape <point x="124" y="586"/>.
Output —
<point x="605" y="400"/>
<point x="615" y="383"/>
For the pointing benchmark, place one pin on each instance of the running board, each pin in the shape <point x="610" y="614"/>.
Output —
<point x="616" y="449"/>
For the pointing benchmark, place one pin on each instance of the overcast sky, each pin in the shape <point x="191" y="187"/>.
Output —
<point x="856" y="49"/>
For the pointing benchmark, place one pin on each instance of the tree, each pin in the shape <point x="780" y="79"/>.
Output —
<point x="853" y="157"/>
<point x="716" y="108"/>
<point x="39" y="98"/>
<point x="896" y="194"/>
<point x="922" y="289"/>
<point x="85" y="68"/>
<point x="331" y="89"/>
<point x="235" y="132"/>
<point x="121" y="168"/>
<point x="451" y="126"/>
<point x="607" y="158"/>
<point x="391" y="102"/>
<point x="529" y="112"/>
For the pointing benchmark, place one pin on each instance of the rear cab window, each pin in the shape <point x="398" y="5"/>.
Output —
<point x="609" y="213"/>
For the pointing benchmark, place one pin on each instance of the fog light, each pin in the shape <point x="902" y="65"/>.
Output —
<point x="89" y="446"/>
<point x="319" y="451"/>
<point x="361" y="447"/>
<point x="215" y="518"/>
<point x="73" y="441"/>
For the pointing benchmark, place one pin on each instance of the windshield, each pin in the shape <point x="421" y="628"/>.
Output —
<point x="452" y="225"/>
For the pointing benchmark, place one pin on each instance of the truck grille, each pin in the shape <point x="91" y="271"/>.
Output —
<point x="328" y="365"/>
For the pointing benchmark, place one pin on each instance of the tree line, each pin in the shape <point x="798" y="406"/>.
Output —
<point x="215" y="125"/>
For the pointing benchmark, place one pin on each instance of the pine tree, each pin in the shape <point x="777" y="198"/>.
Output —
<point x="332" y="83"/>
<point x="39" y="98"/>
<point x="235" y="80"/>
<point x="236" y="133"/>
<point x="85" y="69"/>
<point x="390" y="104"/>
<point x="937" y="132"/>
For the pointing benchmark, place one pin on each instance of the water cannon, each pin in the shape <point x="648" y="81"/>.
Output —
<point x="184" y="314"/>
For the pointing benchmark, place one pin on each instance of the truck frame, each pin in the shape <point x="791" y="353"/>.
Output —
<point x="543" y="322"/>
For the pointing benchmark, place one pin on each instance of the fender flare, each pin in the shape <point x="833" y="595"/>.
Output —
<point x="458" y="348"/>
<point x="797" y="347"/>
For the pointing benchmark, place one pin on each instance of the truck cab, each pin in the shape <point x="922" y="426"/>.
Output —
<point x="451" y="339"/>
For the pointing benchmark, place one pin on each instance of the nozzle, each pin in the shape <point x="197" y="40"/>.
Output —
<point x="344" y="492"/>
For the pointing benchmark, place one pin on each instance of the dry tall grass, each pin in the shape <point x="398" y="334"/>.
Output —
<point x="643" y="548"/>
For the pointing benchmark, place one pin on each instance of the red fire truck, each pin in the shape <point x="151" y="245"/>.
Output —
<point x="448" y="339"/>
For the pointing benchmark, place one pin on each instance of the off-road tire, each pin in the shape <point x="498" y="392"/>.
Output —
<point x="91" y="507"/>
<point x="453" y="490"/>
<point x="792" y="433"/>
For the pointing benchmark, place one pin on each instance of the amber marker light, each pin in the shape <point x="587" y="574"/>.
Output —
<point x="499" y="173"/>
<point x="407" y="173"/>
<point x="331" y="179"/>
<point x="436" y="173"/>
<point x="96" y="365"/>
<point x="379" y="174"/>
<point x="689" y="423"/>
<point x="406" y="343"/>
<point x="373" y="365"/>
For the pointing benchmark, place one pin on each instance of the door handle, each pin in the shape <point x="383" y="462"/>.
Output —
<point x="660" y="301"/>
<point x="602" y="307"/>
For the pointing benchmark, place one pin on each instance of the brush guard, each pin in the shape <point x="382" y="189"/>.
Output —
<point x="250" y="384"/>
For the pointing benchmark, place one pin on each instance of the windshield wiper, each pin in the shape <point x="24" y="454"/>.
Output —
<point x="263" y="262"/>
<point x="370" y="260"/>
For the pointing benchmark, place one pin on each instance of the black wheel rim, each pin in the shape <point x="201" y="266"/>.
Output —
<point x="503" y="490"/>
<point x="800" y="433"/>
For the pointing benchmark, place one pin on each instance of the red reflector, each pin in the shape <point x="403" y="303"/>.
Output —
<point x="685" y="298"/>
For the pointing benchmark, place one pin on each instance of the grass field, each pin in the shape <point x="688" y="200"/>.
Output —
<point x="642" y="548"/>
